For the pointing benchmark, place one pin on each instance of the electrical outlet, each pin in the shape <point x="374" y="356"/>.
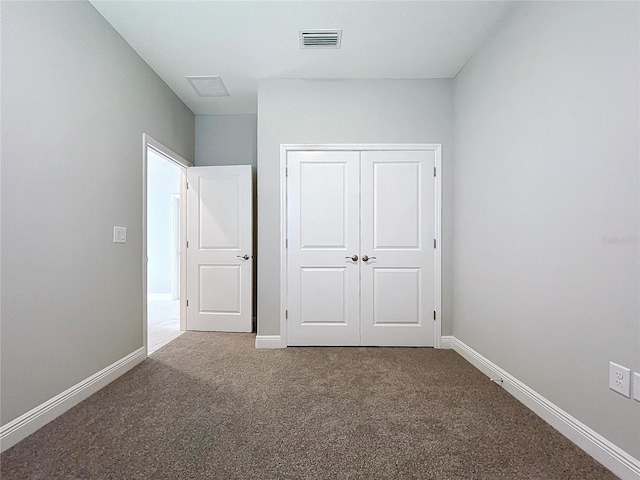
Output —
<point x="619" y="379"/>
<point x="636" y="386"/>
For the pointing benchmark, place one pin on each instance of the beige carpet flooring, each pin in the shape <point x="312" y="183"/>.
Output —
<point x="211" y="406"/>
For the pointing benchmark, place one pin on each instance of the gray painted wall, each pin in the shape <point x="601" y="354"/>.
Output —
<point x="226" y="140"/>
<point x="546" y="206"/>
<point x="76" y="100"/>
<point x="231" y="140"/>
<point x="343" y="111"/>
<point x="163" y="182"/>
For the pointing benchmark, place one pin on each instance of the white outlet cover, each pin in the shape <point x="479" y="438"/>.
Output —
<point x="119" y="235"/>
<point x="636" y="386"/>
<point x="620" y="379"/>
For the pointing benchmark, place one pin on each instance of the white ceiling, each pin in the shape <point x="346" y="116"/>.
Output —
<point x="243" y="41"/>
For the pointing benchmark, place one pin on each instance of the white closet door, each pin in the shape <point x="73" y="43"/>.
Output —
<point x="219" y="265"/>
<point x="398" y="229"/>
<point x="323" y="234"/>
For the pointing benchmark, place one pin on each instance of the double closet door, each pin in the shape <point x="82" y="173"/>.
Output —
<point x="360" y="254"/>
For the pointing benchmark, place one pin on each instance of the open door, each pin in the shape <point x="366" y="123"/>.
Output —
<point x="219" y="248"/>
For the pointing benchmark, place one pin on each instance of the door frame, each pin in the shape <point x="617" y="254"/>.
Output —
<point x="430" y="147"/>
<point x="149" y="142"/>
<point x="176" y="217"/>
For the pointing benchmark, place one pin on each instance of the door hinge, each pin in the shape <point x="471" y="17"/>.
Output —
<point x="434" y="171"/>
<point x="286" y="243"/>
<point x="187" y="243"/>
<point x="434" y="314"/>
<point x="286" y="314"/>
<point x="434" y="243"/>
<point x="286" y="171"/>
<point x="187" y="185"/>
<point x="187" y="303"/>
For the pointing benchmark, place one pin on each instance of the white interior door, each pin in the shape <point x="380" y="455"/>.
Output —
<point x="219" y="252"/>
<point x="323" y="236"/>
<point x="397" y="235"/>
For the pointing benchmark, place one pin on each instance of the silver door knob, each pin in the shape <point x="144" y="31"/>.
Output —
<point x="365" y="258"/>
<point x="353" y="258"/>
<point x="245" y="256"/>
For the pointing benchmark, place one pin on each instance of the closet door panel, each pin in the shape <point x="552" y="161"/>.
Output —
<point x="323" y="234"/>
<point x="397" y="232"/>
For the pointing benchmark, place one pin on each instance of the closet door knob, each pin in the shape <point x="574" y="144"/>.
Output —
<point x="245" y="256"/>
<point x="353" y="258"/>
<point x="365" y="258"/>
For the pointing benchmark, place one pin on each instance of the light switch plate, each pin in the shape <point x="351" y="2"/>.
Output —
<point x="119" y="235"/>
<point x="636" y="386"/>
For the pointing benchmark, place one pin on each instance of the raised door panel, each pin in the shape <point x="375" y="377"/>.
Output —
<point x="396" y="205"/>
<point x="396" y="296"/>
<point x="323" y="234"/>
<point x="219" y="289"/>
<point x="398" y="228"/>
<point x="323" y="207"/>
<point x="323" y="296"/>
<point x="219" y="227"/>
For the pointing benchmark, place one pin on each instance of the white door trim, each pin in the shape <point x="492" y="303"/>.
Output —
<point x="286" y="148"/>
<point x="149" y="142"/>
<point x="176" y="251"/>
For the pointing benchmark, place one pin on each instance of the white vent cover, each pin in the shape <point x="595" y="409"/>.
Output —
<point x="320" y="38"/>
<point x="209" y="86"/>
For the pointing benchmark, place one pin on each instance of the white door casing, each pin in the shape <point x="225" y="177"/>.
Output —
<point x="148" y="144"/>
<point x="219" y="261"/>
<point x="176" y="244"/>
<point x="394" y="203"/>
<point x="323" y="216"/>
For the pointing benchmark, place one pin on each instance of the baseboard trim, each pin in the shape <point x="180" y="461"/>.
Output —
<point x="26" y="424"/>
<point x="269" y="341"/>
<point x="446" y="342"/>
<point x="611" y="456"/>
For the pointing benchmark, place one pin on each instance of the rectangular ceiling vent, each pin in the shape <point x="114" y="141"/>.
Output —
<point x="320" y="38"/>
<point x="208" y="86"/>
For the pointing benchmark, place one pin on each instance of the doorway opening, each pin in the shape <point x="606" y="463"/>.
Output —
<point x="165" y="175"/>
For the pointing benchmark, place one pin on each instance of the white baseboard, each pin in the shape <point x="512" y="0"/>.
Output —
<point x="26" y="424"/>
<point x="611" y="456"/>
<point x="446" y="342"/>
<point x="269" y="341"/>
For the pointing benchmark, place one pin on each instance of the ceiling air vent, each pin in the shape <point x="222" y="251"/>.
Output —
<point x="209" y="86"/>
<point x="320" y="38"/>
